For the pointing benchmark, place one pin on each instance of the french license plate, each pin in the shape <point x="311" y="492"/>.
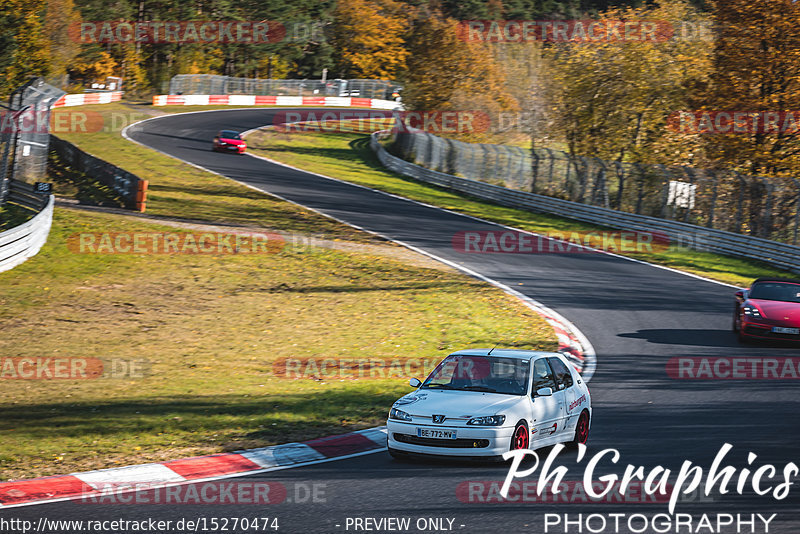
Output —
<point x="436" y="433"/>
<point x="784" y="330"/>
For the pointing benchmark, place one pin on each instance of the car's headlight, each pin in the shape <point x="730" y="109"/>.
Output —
<point x="489" y="420"/>
<point x="399" y="415"/>
<point x="752" y="311"/>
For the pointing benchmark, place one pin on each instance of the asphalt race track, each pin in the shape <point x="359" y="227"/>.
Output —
<point x="637" y="317"/>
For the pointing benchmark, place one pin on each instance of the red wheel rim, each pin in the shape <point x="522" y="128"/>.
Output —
<point x="582" y="432"/>
<point x="520" y="438"/>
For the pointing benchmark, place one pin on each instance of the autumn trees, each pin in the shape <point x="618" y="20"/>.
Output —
<point x="614" y="96"/>
<point x="369" y="36"/>
<point x="757" y="68"/>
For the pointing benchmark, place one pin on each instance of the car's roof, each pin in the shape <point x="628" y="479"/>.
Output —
<point x="505" y="353"/>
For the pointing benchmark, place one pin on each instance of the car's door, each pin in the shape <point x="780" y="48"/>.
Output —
<point x="547" y="410"/>
<point x="566" y="386"/>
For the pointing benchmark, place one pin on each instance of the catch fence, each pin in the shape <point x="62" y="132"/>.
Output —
<point x="767" y="208"/>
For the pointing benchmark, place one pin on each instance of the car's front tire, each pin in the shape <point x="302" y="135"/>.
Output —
<point x="743" y="339"/>
<point x="521" y="439"/>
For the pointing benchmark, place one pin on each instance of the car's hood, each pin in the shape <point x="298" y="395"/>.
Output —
<point x="231" y="141"/>
<point x="427" y="402"/>
<point x="777" y="310"/>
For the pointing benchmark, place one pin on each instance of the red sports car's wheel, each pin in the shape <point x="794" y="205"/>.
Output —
<point x="521" y="437"/>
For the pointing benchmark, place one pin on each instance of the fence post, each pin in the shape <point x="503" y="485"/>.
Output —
<point x="766" y="225"/>
<point x="688" y="211"/>
<point x="141" y="195"/>
<point x="740" y="202"/>
<point x="714" y="194"/>
<point x="796" y="209"/>
<point x="534" y="168"/>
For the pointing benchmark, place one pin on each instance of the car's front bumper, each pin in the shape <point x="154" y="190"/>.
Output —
<point x="470" y="441"/>
<point x="764" y="331"/>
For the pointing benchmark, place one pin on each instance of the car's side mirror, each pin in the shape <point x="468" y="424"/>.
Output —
<point x="739" y="294"/>
<point x="544" y="392"/>
<point x="414" y="383"/>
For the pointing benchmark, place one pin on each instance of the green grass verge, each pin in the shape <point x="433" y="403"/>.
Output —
<point x="348" y="157"/>
<point x="180" y="190"/>
<point x="210" y="328"/>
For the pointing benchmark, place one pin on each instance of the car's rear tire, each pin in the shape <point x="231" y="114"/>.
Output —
<point x="581" y="430"/>
<point x="521" y="438"/>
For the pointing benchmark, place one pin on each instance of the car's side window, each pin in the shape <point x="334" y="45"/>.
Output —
<point x="562" y="374"/>
<point x="542" y="376"/>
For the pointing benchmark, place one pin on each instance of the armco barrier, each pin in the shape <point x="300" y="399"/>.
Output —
<point x="25" y="240"/>
<point x="127" y="185"/>
<point x="83" y="99"/>
<point x="259" y="100"/>
<point x="773" y="253"/>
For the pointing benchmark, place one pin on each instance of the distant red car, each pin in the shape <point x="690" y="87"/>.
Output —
<point x="769" y="309"/>
<point x="229" y="141"/>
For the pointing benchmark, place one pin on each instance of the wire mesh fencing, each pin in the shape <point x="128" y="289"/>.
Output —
<point x="212" y="84"/>
<point x="25" y="134"/>
<point x="721" y="199"/>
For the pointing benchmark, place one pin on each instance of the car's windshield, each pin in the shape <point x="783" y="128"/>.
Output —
<point x="784" y="291"/>
<point x="487" y="374"/>
<point x="229" y="134"/>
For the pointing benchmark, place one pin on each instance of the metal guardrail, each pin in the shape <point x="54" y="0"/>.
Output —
<point x="25" y="240"/>
<point x="213" y="84"/>
<point x="686" y="235"/>
<point x="719" y="199"/>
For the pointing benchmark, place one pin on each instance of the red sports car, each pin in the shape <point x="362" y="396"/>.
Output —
<point x="769" y="309"/>
<point x="229" y="141"/>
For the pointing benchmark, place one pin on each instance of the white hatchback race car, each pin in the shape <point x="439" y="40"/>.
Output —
<point x="481" y="403"/>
